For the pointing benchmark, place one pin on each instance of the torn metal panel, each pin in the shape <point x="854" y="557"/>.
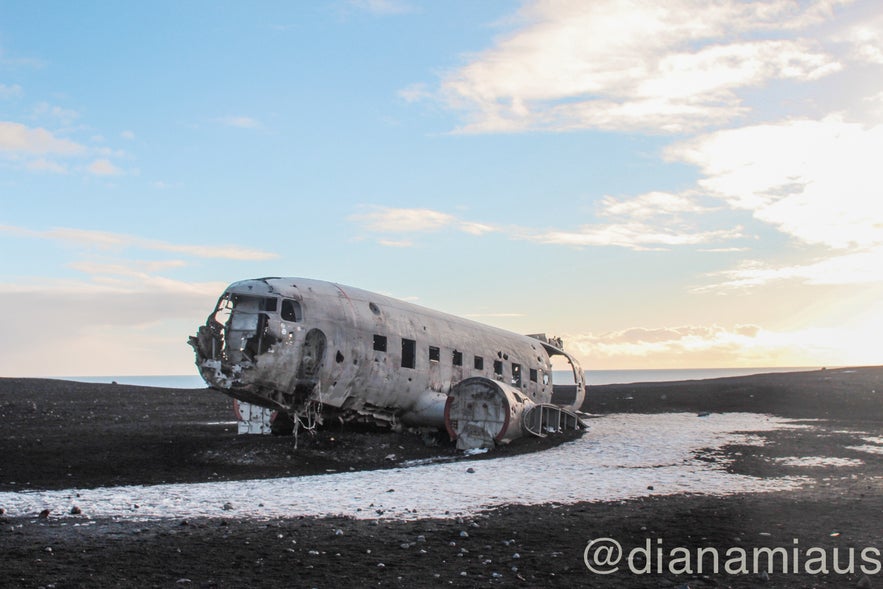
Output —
<point x="308" y="348"/>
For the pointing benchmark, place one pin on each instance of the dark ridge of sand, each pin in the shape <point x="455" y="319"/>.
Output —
<point x="59" y="434"/>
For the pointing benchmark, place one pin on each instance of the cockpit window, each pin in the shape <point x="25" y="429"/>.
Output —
<point x="291" y="310"/>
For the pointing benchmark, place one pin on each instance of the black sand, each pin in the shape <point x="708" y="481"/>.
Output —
<point x="59" y="434"/>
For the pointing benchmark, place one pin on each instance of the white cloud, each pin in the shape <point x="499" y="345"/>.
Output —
<point x="128" y="135"/>
<point x="630" y="65"/>
<point x="103" y="167"/>
<point x="17" y="138"/>
<point x="817" y="181"/>
<point x="108" y="240"/>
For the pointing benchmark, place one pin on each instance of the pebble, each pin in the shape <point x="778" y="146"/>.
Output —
<point x="464" y="534"/>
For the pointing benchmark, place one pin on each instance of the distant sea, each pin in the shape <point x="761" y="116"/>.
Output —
<point x="593" y="377"/>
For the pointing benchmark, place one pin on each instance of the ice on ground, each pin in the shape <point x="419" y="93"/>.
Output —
<point x="817" y="461"/>
<point x="874" y="439"/>
<point x="622" y="456"/>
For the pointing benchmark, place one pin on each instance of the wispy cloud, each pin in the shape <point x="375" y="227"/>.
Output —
<point x="382" y="7"/>
<point x="403" y="221"/>
<point x="103" y="167"/>
<point x="647" y="222"/>
<point x="241" y="122"/>
<point x="44" y="165"/>
<point x="629" y="65"/>
<point x="108" y="240"/>
<point x="10" y="91"/>
<point x="635" y="236"/>
<point x="17" y="138"/>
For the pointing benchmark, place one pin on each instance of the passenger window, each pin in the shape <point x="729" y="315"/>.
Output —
<point x="533" y="375"/>
<point x="498" y="368"/>
<point x="434" y="354"/>
<point x="291" y="310"/>
<point x="458" y="358"/>
<point x="379" y="343"/>
<point x="479" y="363"/>
<point x="409" y="353"/>
<point x="516" y="374"/>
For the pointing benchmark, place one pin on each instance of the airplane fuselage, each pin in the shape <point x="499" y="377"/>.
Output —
<point x="294" y="343"/>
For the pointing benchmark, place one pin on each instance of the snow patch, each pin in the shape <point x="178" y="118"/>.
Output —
<point x="622" y="456"/>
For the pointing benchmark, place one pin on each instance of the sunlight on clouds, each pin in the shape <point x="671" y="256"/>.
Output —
<point x="863" y="267"/>
<point x="716" y="346"/>
<point x="817" y="181"/>
<point x="623" y="65"/>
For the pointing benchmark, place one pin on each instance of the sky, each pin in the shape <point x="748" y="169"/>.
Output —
<point x="687" y="184"/>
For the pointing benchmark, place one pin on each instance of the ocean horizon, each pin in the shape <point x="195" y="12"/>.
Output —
<point x="593" y="377"/>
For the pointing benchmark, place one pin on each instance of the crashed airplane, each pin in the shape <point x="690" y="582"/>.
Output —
<point x="315" y="349"/>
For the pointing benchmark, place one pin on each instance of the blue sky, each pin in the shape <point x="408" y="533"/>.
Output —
<point x="694" y="185"/>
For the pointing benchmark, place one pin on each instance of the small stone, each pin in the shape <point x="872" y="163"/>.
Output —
<point x="464" y="534"/>
<point x="649" y="487"/>
<point x="338" y="532"/>
<point x="227" y="506"/>
<point x="45" y="514"/>
<point x="380" y="565"/>
<point x="76" y="510"/>
<point x="48" y="549"/>
<point x="421" y="538"/>
<point x="183" y="581"/>
<point x="470" y="470"/>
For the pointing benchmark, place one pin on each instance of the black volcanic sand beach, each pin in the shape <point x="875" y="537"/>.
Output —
<point x="60" y="435"/>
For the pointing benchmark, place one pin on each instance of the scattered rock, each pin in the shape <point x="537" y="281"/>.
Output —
<point x="227" y="506"/>
<point x="45" y="514"/>
<point x="470" y="470"/>
<point x="75" y="510"/>
<point x="464" y="534"/>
